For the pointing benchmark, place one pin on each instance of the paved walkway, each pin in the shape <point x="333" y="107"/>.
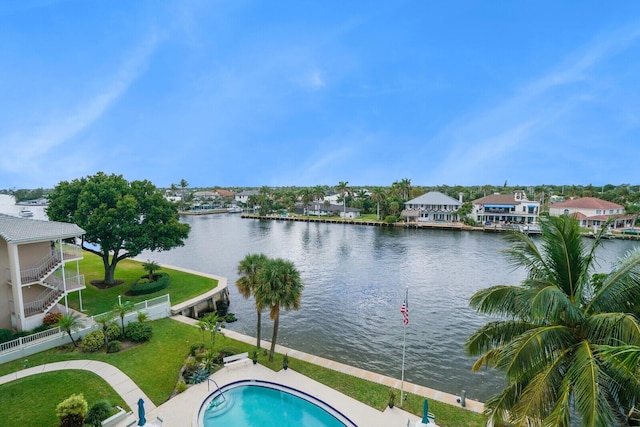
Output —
<point x="419" y="390"/>
<point x="117" y="379"/>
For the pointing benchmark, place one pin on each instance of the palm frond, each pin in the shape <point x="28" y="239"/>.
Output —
<point x="497" y="300"/>
<point x="550" y="304"/>
<point x="620" y="286"/>
<point x="533" y="350"/>
<point x="497" y="408"/>
<point x="615" y="329"/>
<point x="496" y="335"/>
<point x="586" y="375"/>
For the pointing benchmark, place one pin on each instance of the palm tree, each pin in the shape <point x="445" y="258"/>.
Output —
<point x="151" y="267"/>
<point x="183" y="184"/>
<point x="211" y="324"/>
<point x="121" y="309"/>
<point x="279" y="287"/>
<point x="405" y="186"/>
<point x="105" y="320"/>
<point x="305" y="197"/>
<point x="69" y="323"/>
<point x="552" y="329"/>
<point x="318" y="193"/>
<point x="343" y="189"/>
<point x="249" y="270"/>
<point x="378" y="195"/>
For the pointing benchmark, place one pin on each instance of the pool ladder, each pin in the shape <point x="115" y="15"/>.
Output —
<point x="209" y="380"/>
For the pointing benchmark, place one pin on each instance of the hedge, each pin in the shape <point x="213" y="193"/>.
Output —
<point x="144" y="287"/>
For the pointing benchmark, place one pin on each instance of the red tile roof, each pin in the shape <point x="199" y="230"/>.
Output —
<point x="587" y="203"/>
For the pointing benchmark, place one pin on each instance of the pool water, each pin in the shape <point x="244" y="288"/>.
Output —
<point x="266" y="405"/>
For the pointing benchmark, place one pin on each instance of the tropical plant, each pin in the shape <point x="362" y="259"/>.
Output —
<point x="105" y="320"/>
<point x="151" y="267"/>
<point x="249" y="270"/>
<point x="279" y="288"/>
<point x="69" y="323"/>
<point x="212" y="321"/>
<point x="98" y="412"/>
<point x="343" y="189"/>
<point x="121" y="309"/>
<point x="553" y="328"/>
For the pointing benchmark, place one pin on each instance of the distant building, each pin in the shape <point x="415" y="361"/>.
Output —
<point x="593" y="212"/>
<point x="432" y="207"/>
<point x="322" y="209"/>
<point x="243" y="196"/>
<point x="512" y="208"/>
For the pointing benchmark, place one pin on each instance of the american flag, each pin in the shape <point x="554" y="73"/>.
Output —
<point x="405" y="312"/>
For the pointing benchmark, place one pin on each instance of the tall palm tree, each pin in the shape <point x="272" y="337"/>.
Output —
<point x="249" y="270"/>
<point x="280" y="288"/>
<point x="305" y="197"/>
<point x="378" y="195"/>
<point x="318" y="193"/>
<point x="405" y="186"/>
<point x="343" y="189"/>
<point x="551" y="331"/>
<point x="69" y="323"/>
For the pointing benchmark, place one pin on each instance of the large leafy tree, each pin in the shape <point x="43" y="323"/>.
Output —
<point x="250" y="271"/>
<point x="121" y="219"/>
<point x="280" y="287"/>
<point x="553" y="329"/>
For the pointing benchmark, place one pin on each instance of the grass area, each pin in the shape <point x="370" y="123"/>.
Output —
<point x="183" y="287"/>
<point x="154" y="365"/>
<point x="20" y="406"/>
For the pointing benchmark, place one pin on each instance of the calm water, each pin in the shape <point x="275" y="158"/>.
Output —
<point x="355" y="278"/>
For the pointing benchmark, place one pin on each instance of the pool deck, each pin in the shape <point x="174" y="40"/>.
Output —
<point x="182" y="410"/>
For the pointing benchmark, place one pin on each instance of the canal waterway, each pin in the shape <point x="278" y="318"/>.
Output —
<point x="355" y="279"/>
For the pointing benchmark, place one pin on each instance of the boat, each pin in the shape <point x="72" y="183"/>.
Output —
<point x="25" y="213"/>
<point x="234" y="209"/>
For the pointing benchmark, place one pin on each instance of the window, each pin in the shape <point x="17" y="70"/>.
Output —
<point x="598" y="211"/>
<point x="566" y="212"/>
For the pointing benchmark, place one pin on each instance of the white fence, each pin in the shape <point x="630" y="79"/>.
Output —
<point x="156" y="308"/>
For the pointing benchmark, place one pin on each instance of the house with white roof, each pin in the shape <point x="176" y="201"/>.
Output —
<point x="593" y="212"/>
<point x="503" y="209"/>
<point x="432" y="207"/>
<point x="243" y="196"/>
<point x="39" y="261"/>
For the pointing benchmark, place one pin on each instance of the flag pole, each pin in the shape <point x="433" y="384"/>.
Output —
<point x="404" y="343"/>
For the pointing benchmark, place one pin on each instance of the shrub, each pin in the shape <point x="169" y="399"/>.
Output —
<point x="230" y="318"/>
<point x="72" y="410"/>
<point x="40" y="328"/>
<point x="139" y="332"/>
<point x="390" y="219"/>
<point x="51" y="319"/>
<point x="93" y="341"/>
<point x="98" y="412"/>
<point x="113" y="331"/>
<point x="200" y="375"/>
<point x="229" y="351"/>
<point x="6" y="335"/>
<point x="196" y="348"/>
<point x="181" y="386"/>
<point x="144" y="287"/>
<point x="114" y="346"/>
<point x="190" y="365"/>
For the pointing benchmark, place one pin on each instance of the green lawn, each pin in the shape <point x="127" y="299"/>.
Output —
<point x="183" y="287"/>
<point x="20" y="406"/>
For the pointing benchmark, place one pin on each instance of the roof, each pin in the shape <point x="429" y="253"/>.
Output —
<point x="587" y="203"/>
<point x="316" y="206"/>
<point x="496" y="199"/>
<point x="23" y="230"/>
<point x="434" y="198"/>
<point x="248" y="193"/>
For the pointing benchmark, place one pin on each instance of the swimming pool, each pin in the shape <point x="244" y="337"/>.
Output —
<point x="265" y="404"/>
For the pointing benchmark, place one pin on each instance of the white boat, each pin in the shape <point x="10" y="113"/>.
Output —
<point x="25" y="213"/>
<point x="234" y="209"/>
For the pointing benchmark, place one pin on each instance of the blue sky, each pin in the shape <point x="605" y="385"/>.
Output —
<point x="252" y="93"/>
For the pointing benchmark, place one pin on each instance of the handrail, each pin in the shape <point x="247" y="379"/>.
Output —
<point x="44" y="265"/>
<point x="217" y="388"/>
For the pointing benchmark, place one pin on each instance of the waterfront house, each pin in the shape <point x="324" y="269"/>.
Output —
<point x="593" y="212"/>
<point x="432" y="207"/>
<point x="37" y="260"/>
<point x="328" y="209"/>
<point x="502" y="209"/>
<point x="243" y="196"/>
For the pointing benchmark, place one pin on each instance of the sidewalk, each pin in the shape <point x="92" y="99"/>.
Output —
<point x="117" y="379"/>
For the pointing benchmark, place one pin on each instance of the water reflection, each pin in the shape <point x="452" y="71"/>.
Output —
<point x="355" y="279"/>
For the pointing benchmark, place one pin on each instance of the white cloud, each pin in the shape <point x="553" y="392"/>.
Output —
<point x="315" y="80"/>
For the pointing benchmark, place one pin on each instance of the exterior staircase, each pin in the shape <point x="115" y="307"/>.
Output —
<point x="43" y="274"/>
